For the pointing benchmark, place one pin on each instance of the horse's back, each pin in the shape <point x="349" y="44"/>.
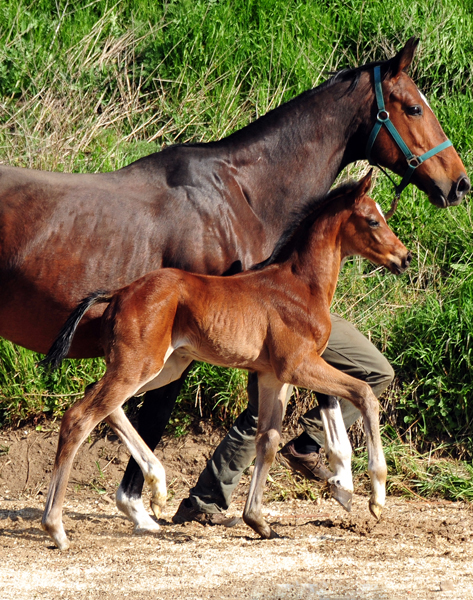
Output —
<point x="65" y="235"/>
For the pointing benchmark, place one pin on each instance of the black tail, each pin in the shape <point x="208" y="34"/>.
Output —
<point x="62" y="344"/>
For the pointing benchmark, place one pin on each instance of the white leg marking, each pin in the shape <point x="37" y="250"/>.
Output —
<point x="337" y="447"/>
<point x="135" y="511"/>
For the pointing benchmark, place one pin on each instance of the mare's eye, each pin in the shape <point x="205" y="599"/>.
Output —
<point x="372" y="223"/>
<point x="415" y="110"/>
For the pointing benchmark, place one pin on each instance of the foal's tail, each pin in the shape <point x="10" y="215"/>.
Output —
<point x="62" y="344"/>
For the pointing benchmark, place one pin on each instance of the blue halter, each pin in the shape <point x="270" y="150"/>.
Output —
<point x="382" y="117"/>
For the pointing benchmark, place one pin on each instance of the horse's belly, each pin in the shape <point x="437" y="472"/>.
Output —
<point x="173" y="368"/>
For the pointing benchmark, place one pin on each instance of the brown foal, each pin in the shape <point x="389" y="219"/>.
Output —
<point x="273" y="319"/>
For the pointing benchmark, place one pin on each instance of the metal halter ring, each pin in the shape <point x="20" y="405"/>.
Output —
<point x="383" y="115"/>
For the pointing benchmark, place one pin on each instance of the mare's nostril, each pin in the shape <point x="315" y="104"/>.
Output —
<point x="408" y="258"/>
<point x="463" y="186"/>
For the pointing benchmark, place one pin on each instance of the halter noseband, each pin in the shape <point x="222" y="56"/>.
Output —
<point x="382" y="118"/>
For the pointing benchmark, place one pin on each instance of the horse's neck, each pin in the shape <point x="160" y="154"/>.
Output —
<point x="318" y="258"/>
<point x="292" y="155"/>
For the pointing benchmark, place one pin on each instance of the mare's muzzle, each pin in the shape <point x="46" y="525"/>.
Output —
<point x="443" y="196"/>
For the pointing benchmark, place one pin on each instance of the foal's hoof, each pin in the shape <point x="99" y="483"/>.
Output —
<point x="342" y="496"/>
<point x="268" y="534"/>
<point x="376" y="510"/>
<point x="58" y="536"/>
<point x="157" y="506"/>
<point x="148" y="526"/>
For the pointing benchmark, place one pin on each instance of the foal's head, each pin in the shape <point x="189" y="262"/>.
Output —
<point x="366" y="232"/>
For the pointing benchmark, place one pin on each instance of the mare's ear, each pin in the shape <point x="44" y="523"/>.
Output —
<point x="363" y="187"/>
<point x="403" y="58"/>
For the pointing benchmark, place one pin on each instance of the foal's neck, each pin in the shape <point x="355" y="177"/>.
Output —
<point x="317" y="259"/>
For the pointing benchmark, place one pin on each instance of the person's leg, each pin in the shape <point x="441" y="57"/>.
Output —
<point x="351" y="352"/>
<point x="212" y="493"/>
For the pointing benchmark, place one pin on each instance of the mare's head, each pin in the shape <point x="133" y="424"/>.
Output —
<point x="365" y="231"/>
<point x="441" y="175"/>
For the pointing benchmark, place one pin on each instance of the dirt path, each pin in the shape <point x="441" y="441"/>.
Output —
<point x="419" y="549"/>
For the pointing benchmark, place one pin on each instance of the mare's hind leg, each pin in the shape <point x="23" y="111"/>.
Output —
<point x="273" y="397"/>
<point x="99" y="400"/>
<point x="153" y="418"/>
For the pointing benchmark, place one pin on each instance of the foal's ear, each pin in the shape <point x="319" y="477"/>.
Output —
<point x="363" y="186"/>
<point x="403" y="58"/>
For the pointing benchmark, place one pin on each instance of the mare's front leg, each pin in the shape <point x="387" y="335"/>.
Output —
<point x="273" y="397"/>
<point x="314" y="373"/>
<point x="99" y="400"/>
<point x="337" y="449"/>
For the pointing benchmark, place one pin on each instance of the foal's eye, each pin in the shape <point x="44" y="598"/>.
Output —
<point x="372" y="223"/>
<point x="415" y="110"/>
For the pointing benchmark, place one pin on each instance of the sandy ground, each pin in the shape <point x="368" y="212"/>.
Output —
<point x="418" y="550"/>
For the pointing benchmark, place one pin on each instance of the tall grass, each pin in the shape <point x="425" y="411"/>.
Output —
<point x="92" y="86"/>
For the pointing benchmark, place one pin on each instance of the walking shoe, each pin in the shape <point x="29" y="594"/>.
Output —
<point x="187" y="513"/>
<point x="309" y="465"/>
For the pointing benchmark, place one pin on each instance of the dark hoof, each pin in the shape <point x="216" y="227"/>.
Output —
<point x="343" y="497"/>
<point x="273" y="535"/>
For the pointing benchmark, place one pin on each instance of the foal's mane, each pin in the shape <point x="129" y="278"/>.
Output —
<point x="300" y="225"/>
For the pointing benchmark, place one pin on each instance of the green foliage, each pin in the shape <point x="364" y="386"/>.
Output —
<point x="414" y="474"/>
<point x="92" y="86"/>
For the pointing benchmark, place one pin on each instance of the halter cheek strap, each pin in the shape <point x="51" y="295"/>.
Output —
<point x="382" y="118"/>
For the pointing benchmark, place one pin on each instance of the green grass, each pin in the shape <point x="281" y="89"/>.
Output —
<point x="96" y="88"/>
<point x="414" y="474"/>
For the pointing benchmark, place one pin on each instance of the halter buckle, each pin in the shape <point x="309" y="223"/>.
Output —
<point x="382" y="116"/>
<point x="414" y="162"/>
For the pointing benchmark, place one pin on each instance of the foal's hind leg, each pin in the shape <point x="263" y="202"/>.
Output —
<point x="99" y="400"/>
<point x="149" y="464"/>
<point x="314" y="373"/>
<point x="153" y="418"/>
<point x="273" y="397"/>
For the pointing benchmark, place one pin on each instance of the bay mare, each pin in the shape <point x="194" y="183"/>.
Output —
<point x="206" y="208"/>
<point x="273" y="320"/>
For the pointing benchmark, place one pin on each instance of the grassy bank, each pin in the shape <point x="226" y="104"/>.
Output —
<point x="96" y="88"/>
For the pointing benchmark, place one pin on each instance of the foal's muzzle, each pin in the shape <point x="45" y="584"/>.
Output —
<point x="398" y="268"/>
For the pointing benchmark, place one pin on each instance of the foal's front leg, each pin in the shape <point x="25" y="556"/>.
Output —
<point x="273" y="397"/>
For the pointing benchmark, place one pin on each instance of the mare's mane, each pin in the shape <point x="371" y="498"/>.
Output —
<point x="343" y="75"/>
<point x="301" y="223"/>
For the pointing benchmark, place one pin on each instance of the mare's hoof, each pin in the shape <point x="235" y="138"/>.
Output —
<point x="376" y="510"/>
<point x="273" y="535"/>
<point x="342" y="496"/>
<point x="149" y="526"/>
